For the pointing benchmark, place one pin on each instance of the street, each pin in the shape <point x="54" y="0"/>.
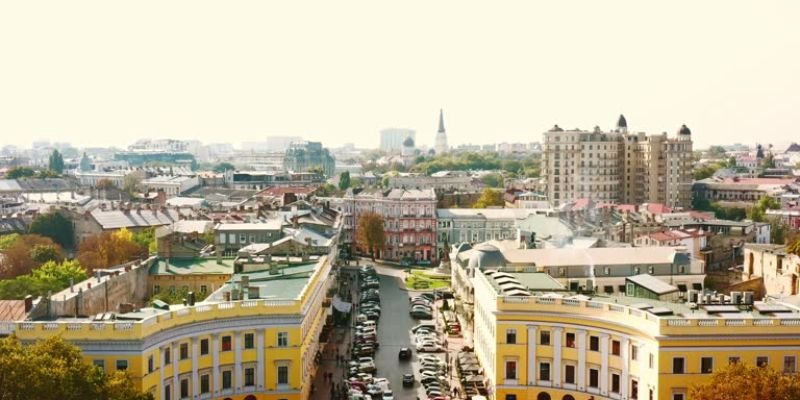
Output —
<point x="394" y="333"/>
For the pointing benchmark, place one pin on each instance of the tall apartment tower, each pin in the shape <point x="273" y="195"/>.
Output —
<point x="441" y="136"/>
<point x="618" y="166"/>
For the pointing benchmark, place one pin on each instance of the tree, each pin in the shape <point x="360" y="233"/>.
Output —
<point x="222" y="167"/>
<point x="109" y="249"/>
<point x="54" y="369"/>
<point x="489" y="198"/>
<point x="344" y="180"/>
<point x="41" y="253"/>
<point x="130" y="184"/>
<point x="706" y="171"/>
<point x="176" y="296"/>
<point x="740" y="381"/>
<point x="56" y="162"/>
<point x="54" y="225"/>
<point x="51" y="277"/>
<point x="20" y="172"/>
<point x="326" y="190"/>
<point x="493" y="180"/>
<point x="146" y="238"/>
<point x="778" y="231"/>
<point x="357" y="183"/>
<point x="7" y="240"/>
<point x="370" y="234"/>
<point x="19" y="257"/>
<point x="105" y="184"/>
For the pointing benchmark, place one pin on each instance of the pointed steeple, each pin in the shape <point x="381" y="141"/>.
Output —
<point x="441" y="121"/>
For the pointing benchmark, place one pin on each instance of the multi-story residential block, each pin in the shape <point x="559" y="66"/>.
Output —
<point x="232" y="237"/>
<point x="473" y="225"/>
<point x="535" y="343"/>
<point x="392" y="138"/>
<point x="745" y="190"/>
<point x="306" y="156"/>
<point x="260" y="180"/>
<point x="409" y="221"/>
<point x="618" y="166"/>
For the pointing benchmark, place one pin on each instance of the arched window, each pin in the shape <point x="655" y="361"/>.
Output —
<point x="543" y="396"/>
<point x="567" y="397"/>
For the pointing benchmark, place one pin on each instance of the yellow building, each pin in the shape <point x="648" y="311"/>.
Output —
<point x="547" y="345"/>
<point x="254" y="338"/>
<point x="199" y="275"/>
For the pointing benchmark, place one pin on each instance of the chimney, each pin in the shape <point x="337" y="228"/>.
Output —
<point x="191" y="298"/>
<point x="28" y="303"/>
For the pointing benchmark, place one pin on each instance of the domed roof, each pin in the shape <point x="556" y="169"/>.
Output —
<point x="409" y="142"/>
<point x="556" y="128"/>
<point x="684" y="130"/>
<point x="486" y="256"/>
<point x="622" y="122"/>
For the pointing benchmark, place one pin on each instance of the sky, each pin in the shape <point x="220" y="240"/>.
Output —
<point x="97" y="73"/>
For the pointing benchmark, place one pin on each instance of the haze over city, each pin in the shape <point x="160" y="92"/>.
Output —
<point x="106" y="73"/>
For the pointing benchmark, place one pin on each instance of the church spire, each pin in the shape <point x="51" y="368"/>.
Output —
<point x="441" y="121"/>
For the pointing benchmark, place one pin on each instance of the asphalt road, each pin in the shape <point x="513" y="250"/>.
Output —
<point x="394" y="333"/>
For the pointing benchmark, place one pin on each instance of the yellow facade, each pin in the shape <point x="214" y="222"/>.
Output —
<point x="577" y="349"/>
<point x="251" y="349"/>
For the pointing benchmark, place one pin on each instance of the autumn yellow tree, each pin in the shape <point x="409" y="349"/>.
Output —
<point x="54" y="369"/>
<point x="26" y="253"/>
<point x="489" y="198"/>
<point x="370" y="235"/>
<point x="740" y="381"/>
<point x="109" y="249"/>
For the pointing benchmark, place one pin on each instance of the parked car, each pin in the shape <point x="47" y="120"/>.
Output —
<point x="408" y="380"/>
<point x="367" y="364"/>
<point x="404" y="354"/>
<point x="429" y="347"/>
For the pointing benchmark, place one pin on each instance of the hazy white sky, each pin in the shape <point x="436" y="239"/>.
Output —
<point x="109" y="72"/>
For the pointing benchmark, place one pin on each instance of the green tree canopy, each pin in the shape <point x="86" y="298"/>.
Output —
<point x="54" y="225"/>
<point x="706" y="171"/>
<point x="493" y="180"/>
<point x="7" y="240"/>
<point x="20" y="172"/>
<point x="50" y="277"/>
<point x="224" y="166"/>
<point x="56" y="162"/>
<point x="54" y="369"/>
<point x="344" y="180"/>
<point x="489" y="198"/>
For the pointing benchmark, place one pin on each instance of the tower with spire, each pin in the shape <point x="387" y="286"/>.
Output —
<point x="441" y="136"/>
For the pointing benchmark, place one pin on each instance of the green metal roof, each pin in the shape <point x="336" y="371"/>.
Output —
<point x="198" y="266"/>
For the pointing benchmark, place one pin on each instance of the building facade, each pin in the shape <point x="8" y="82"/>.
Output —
<point x="618" y="166"/>
<point x="306" y="156"/>
<point x="392" y="138"/>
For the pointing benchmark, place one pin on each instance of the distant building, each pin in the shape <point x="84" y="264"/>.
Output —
<point x="392" y="138"/>
<point x="618" y="166"/>
<point x="260" y="180"/>
<point x="739" y="189"/>
<point x="441" y="136"/>
<point x="305" y="156"/>
<point x="438" y="181"/>
<point x="171" y="185"/>
<point x="281" y="143"/>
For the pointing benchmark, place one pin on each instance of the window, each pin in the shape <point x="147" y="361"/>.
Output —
<point x="511" y="397"/>
<point x="652" y="362"/>
<point x="511" y="370"/>
<point x="203" y="347"/>
<point x="511" y="336"/>
<point x="634" y="352"/>
<point x="733" y="360"/>
<point x="571" y="340"/>
<point x="594" y="378"/>
<point x="167" y="392"/>
<point x="615" y="347"/>
<point x="226" y="379"/>
<point x="544" y="371"/>
<point x="249" y="376"/>
<point x="150" y="364"/>
<point x="789" y="364"/>
<point x="569" y="374"/>
<point x="635" y="389"/>
<point x="226" y="343"/>
<point x="678" y="396"/>
<point x="156" y="288"/>
<point x="678" y="365"/>
<point x="651" y="270"/>
<point x="614" y="383"/>
<point x="762" y="361"/>
<point x="167" y="356"/>
<point x="248" y="341"/>
<point x="594" y="343"/>
<point x="283" y="339"/>
<point x="205" y="386"/>
<point x="184" y="351"/>
<point x="101" y="364"/>
<point x="283" y="375"/>
<point x="203" y="289"/>
<point x="184" y="388"/>
<point x="544" y="338"/>
<point x="122" y="365"/>
<point x="706" y="365"/>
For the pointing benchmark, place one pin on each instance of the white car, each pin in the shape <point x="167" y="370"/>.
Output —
<point x="427" y="338"/>
<point x="388" y="395"/>
<point x="429" y="347"/>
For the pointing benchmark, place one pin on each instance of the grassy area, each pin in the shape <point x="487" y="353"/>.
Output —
<point x="423" y="279"/>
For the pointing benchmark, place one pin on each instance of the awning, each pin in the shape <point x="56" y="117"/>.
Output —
<point x="340" y="305"/>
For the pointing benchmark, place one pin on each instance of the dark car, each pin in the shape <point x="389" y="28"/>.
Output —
<point x="444" y="294"/>
<point x="408" y="380"/>
<point x="428" y="295"/>
<point x="405" y="354"/>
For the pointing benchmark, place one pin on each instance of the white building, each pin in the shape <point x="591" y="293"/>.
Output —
<point x="392" y="138"/>
<point x="171" y="185"/>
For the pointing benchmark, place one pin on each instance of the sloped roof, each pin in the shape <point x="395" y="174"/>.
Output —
<point x="12" y="310"/>
<point x="115" y="219"/>
<point x="652" y="284"/>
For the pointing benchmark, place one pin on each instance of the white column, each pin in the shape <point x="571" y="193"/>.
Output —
<point x="623" y="378"/>
<point x="531" y="355"/>
<point x="260" y="350"/>
<point x="195" y="360"/>
<point x="215" y="362"/>
<point x="161" y="366"/>
<point x="604" y="364"/>
<point x="176" y="385"/>
<point x="557" y="332"/>
<point x="581" y="339"/>
<point x="237" y="361"/>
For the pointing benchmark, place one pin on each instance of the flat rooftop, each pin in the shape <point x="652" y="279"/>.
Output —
<point x="196" y="266"/>
<point x="287" y="284"/>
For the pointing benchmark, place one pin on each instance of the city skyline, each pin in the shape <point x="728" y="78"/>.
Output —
<point x="508" y="72"/>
